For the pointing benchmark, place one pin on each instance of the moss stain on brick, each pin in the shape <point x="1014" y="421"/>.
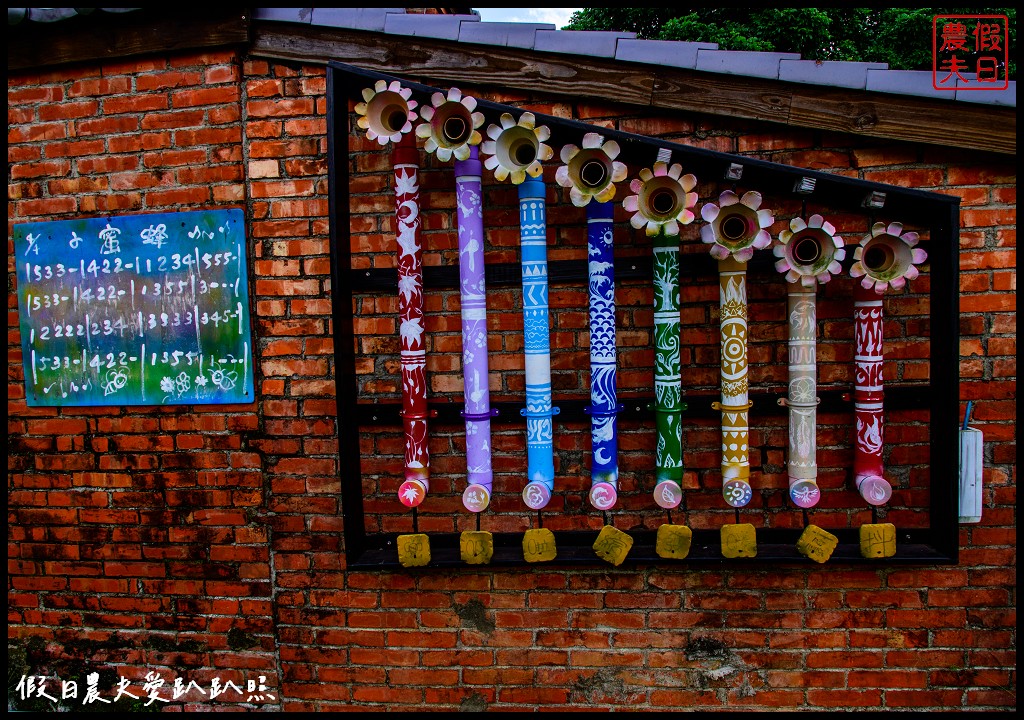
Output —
<point x="238" y="639"/>
<point x="474" y="615"/>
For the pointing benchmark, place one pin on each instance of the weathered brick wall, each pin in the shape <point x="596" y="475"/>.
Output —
<point x="203" y="542"/>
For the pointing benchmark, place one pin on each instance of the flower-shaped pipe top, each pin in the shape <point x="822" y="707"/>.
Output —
<point x="887" y="258"/>
<point x="809" y="252"/>
<point x="735" y="226"/>
<point x="663" y="199"/>
<point x="450" y="125"/>
<point x="591" y="171"/>
<point x="516" y="149"/>
<point x="386" y="112"/>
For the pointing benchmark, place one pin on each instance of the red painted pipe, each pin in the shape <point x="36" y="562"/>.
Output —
<point x="410" y="314"/>
<point x="867" y="397"/>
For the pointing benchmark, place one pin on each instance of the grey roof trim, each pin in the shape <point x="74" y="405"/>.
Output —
<point x="293" y="14"/>
<point x="835" y="74"/>
<point x="372" y="19"/>
<point x="595" y="43"/>
<point x="1007" y="97"/>
<point x="49" y="15"/>
<point x="751" y="64"/>
<point x="505" y="34"/>
<point x="441" y="27"/>
<point x="905" y="82"/>
<point x="661" y="52"/>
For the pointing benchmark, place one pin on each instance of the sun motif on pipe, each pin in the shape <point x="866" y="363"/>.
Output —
<point x="516" y="149"/>
<point x="663" y="199"/>
<point x="591" y="172"/>
<point x="887" y="257"/>
<point x="809" y="252"/>
<point x="736" y="226"/>
<point x="450" y="125"/>
<point x="386" y="113"/>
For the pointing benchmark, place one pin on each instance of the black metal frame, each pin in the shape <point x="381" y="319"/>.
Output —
<point x="939" y="543"/>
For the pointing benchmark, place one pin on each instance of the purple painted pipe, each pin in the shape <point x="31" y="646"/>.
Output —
<point x="473" y="291"/>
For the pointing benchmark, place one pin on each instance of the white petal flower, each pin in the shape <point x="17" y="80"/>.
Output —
<point x="887" y="257"/>
<point x="450" y="125"/>
<point x="387" y="112"/>
<point x="516" y="149"/>
<point x="591" y="172"/>
<point x="663" y="200"/>
<point x="809" y="251"/>
<point x="736" y="226"/>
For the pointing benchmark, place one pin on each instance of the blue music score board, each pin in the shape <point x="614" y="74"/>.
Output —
<point x="135" y="310"/>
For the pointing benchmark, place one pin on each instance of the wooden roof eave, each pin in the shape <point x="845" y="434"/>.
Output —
<point x="931" y="121"/>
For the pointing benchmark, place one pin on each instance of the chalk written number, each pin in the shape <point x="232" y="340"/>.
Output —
<point x="46" y="272"/>
<point x="102" y="293"/>
<point x="167" y="321"/>
<point x="217" y="318"/>
<point x="79" y="330"/>
<point x="36" y="302"/>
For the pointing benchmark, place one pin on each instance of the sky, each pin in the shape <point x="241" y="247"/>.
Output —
<point x="557" y="16"/>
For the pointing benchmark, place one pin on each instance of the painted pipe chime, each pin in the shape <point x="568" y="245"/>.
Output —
<point x="450" y="130"/>
<point x="736" y="227"/>
<point x="809" y="253"/>
<point x="540" y="463"/>
<point x="515" y="151"/>
<point x="885" y="258"/>
<point x="590" y="172"/>
<point x="604" y="406"/>
<point x="664" y="201"/>
<point x="387" y="114"/>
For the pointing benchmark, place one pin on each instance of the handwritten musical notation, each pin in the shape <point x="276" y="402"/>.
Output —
<point x="135" y="310"/>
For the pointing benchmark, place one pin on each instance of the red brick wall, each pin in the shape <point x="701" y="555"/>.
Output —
<point x="206" y="542"/>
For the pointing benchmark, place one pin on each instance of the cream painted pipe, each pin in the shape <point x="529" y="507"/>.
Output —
<point x="735" y="401"/>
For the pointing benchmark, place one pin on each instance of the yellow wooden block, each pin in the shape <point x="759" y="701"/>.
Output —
<point x="817" y="544"/>
<point x="477" y="547"/>
<point x="739" y="540"/>
<point x="413" y="550"/>
<point x="539" y="545"/>
<point x="673" y="541"/>
<point x="878" y="540"/>
<point x="612" y="545"/>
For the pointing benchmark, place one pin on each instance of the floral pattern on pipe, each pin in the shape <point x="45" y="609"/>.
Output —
<point x="886" y="258"/>
<point x="736" y="228"/>
<point x="809" y="253"/>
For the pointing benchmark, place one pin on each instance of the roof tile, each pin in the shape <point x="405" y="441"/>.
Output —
<point x="832" y="73"/>
<point x="372" y="19"/>
<point x="1007" y="96"/>
<point x="595" y="43"/>
<point x="661" y="52"/>
<point x="293" y="14"/>
<point x="442" y="27"/>
<point x="506" y="34"/>
<point x="737" y="62"/>
<point x="905" y="82"/>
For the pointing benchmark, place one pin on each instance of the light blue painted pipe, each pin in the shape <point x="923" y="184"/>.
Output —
<point x="538" y="412"/>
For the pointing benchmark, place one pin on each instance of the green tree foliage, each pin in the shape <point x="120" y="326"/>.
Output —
<point x="901" y="37"/>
